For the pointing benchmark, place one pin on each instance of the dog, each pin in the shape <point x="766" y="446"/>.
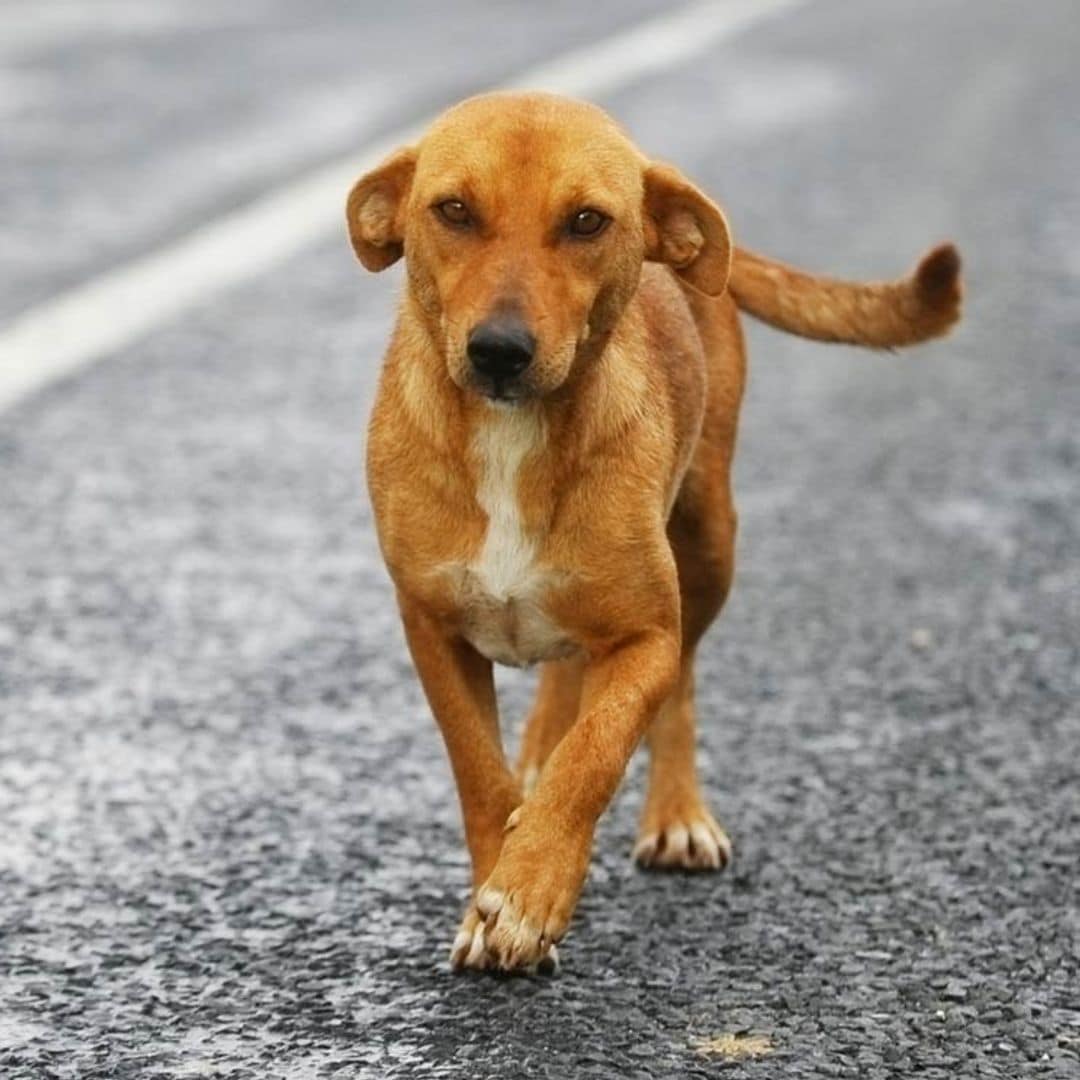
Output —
<point x="549" y="461"/>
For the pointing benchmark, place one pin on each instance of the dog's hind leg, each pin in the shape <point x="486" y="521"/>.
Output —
<point x="677" y="830"/>
<point x="558" y="698"/>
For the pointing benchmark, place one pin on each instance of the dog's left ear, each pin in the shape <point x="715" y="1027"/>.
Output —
<point x="375" y="210"/>
<point x="685" y="229"/>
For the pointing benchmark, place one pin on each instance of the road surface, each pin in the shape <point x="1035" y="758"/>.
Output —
<point x="229" y="841"/>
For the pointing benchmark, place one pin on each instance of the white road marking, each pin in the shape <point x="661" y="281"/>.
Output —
<point x="647" y="48"/>
<point x="35" y="25"/>
<point x="72" y="330"/>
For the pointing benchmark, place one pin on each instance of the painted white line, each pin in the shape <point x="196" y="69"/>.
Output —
<point x="647" y="48"/>
<point x="74" y="329"/>
<point x="35" y="25"/>
<point x="80" y="326"/>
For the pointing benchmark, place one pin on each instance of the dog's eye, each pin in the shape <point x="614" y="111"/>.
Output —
<point x="588" y="222"/>
<point x="454" y="212"/>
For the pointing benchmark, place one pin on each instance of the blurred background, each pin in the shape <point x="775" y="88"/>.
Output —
<point x="229" y="842"/>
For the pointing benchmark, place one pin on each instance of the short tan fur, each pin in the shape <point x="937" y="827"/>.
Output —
<point x="578" y="513"/>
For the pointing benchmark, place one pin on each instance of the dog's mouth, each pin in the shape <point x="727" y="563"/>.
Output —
<point x="502" y="391"/>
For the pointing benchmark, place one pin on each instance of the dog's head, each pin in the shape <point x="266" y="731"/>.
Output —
<point x="524" y="220"/>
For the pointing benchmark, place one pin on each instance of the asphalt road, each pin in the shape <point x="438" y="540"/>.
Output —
<point x="229" y="842"/>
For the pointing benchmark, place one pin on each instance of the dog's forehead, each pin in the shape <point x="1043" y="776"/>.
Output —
<point x="530" y="142"/>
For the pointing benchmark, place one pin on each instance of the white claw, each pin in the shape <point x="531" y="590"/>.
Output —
<point x="475" y="956"/>
<point x="459" y="950"/>
<point x="706" y="849"/>
<point x="677" y="848"/>
<point x="645" y="848"/>
<point x="549" y="962"/>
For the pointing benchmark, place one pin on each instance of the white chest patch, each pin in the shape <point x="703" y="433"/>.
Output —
<point x="502" y="587"/>
<point x="507" y="560"/>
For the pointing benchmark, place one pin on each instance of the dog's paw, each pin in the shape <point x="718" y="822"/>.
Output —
<point x="523" y="909"/>
<point x="471" y="951"/>
<point x="682" y="838"/>
<point x="518" y="937"/>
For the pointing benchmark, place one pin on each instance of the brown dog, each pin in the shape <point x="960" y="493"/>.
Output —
<point x="549" y="460"/>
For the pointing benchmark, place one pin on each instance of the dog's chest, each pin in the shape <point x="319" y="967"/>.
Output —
<point x="501" y="590"/>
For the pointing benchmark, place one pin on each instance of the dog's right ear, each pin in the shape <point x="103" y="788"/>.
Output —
<point x="375" y="210"/>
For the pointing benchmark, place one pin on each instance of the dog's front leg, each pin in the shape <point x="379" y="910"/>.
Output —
<point x="460" y="688"/>
<point x="530" y="896"/>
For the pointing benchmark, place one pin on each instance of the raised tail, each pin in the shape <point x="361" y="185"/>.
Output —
<point x="881" y="315"/>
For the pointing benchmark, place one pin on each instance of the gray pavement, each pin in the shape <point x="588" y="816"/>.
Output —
<point x="229" y="842"/>
<point x="126" y="131"/>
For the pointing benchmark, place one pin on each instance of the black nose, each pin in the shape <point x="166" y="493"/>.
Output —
<point x="501" y="348"/>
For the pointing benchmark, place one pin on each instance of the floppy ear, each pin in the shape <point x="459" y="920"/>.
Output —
<point x="375" y="210"/>
<point x="685" y="229"/>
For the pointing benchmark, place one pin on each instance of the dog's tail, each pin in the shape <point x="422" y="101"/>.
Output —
<point x="881" y="315"/>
